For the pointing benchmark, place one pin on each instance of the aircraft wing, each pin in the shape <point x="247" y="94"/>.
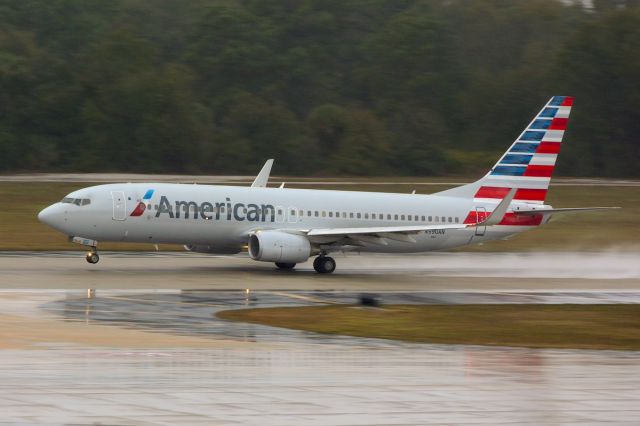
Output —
<point x="263" y="177"/>
<point x="562" y="210"/>
<point x="377" y="234"/>
<point x="380" y="234"/>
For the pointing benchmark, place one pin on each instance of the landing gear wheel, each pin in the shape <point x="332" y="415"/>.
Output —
<point x="286" y="266"/>
<point x="92" y="257"/>
<point x="324" y="264"/>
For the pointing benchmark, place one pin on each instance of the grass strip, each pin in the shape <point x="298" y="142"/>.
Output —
<point x="567" y="326"/>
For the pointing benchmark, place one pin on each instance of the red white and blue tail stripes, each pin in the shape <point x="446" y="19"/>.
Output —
<point x="529" y="162"/>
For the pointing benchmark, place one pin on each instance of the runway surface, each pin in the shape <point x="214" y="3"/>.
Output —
<point x="433" y="271"/>
<point x="135" y="340"/>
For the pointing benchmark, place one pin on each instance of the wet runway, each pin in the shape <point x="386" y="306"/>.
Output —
<point x="431" y="271"/>
<point x="193" y="312"/>
<point x="145" y="347"/>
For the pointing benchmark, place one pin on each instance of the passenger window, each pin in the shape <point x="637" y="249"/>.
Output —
<point x="450" y="220"/>
<point x="437" y="219"/>
<point x="409" y="217"/>
<point x="423" y="219"/>
<point x="293" y="212"/>
<point x="457" y="220"/>
<point x="388" y="217"/>
<point x="330" y="214"/>
<point x="402" y="217"/>
<point x="430" y="219"/>
<point x="337" y="214"/>
<point x="373" y="215"/>
<point x="316" y="213"/>
<point x="324" y="214"/>
<point x="358" y="215"/>
<point x="366" y="215"/>
<point x="344" y="215"/>
<point x="444" y="219"/>
<point x="395" y="217"/>
<point x="415" y="218"/>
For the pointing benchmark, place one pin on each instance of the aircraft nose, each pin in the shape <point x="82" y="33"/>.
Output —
<point x="51" y="216"/>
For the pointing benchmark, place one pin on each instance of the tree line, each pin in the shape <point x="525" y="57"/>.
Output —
<point x="358" y="87"/>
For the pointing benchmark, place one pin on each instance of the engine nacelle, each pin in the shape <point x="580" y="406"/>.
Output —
<point x="276" y="246"/>
<point x="213" y="249"/>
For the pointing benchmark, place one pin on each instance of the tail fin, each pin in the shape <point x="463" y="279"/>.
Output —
<point x="528" y="163"/>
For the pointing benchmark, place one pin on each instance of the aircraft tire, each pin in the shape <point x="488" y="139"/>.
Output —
<point x="285" y="266"/>
<point x="93" y="258"/>
<point x="324" y="264"/>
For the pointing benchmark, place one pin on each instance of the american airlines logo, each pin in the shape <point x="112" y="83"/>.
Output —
<point x="213" y="211"/>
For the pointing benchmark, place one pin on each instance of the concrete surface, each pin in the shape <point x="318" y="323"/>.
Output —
<point x="134" y="340"/>
<point x="432" y="271"/>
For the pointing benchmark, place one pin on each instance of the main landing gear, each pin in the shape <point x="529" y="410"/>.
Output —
<point x="92" y="256"/>
<point x="324" y="264"/>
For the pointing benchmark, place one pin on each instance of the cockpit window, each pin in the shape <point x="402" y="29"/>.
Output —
<point x="76" y="201"/>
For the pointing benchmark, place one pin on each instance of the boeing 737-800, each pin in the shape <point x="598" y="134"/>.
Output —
<point x="288" y="226"/>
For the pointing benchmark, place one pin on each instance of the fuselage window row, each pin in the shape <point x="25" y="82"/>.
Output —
<point x="293" y="213"/>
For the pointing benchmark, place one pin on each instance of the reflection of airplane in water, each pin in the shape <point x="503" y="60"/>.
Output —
<point x="288" y="226"/>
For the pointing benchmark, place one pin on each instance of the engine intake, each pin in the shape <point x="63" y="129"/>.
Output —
<point x="277" y="246"/>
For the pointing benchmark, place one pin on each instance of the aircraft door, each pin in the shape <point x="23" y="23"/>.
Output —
<point x="119" y="205"/>
<point x="481" y="215"/>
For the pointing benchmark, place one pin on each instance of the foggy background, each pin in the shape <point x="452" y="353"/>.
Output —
<point x="359" y="87"/>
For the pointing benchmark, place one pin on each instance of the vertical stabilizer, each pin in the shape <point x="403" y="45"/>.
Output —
<point x="528" y="163"/>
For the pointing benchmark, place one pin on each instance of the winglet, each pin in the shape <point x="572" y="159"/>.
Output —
<point x="497" y="215"/>
<point x="263" y="177"/>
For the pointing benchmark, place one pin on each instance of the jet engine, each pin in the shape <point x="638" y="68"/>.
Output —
<point x="277" y="246"/>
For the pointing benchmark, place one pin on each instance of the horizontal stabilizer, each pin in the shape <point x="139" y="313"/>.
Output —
<point x="563" y="210"/>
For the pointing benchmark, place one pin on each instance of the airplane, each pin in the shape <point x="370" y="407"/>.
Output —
<point x="288" y="226"/>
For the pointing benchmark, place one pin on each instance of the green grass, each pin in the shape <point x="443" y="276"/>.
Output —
<point x="21" y="202"/>
<point x="537" y="326"/>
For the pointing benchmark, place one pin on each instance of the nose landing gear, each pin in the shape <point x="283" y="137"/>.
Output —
<point x="324" y="264"/>
<point x="92" y="256"/>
